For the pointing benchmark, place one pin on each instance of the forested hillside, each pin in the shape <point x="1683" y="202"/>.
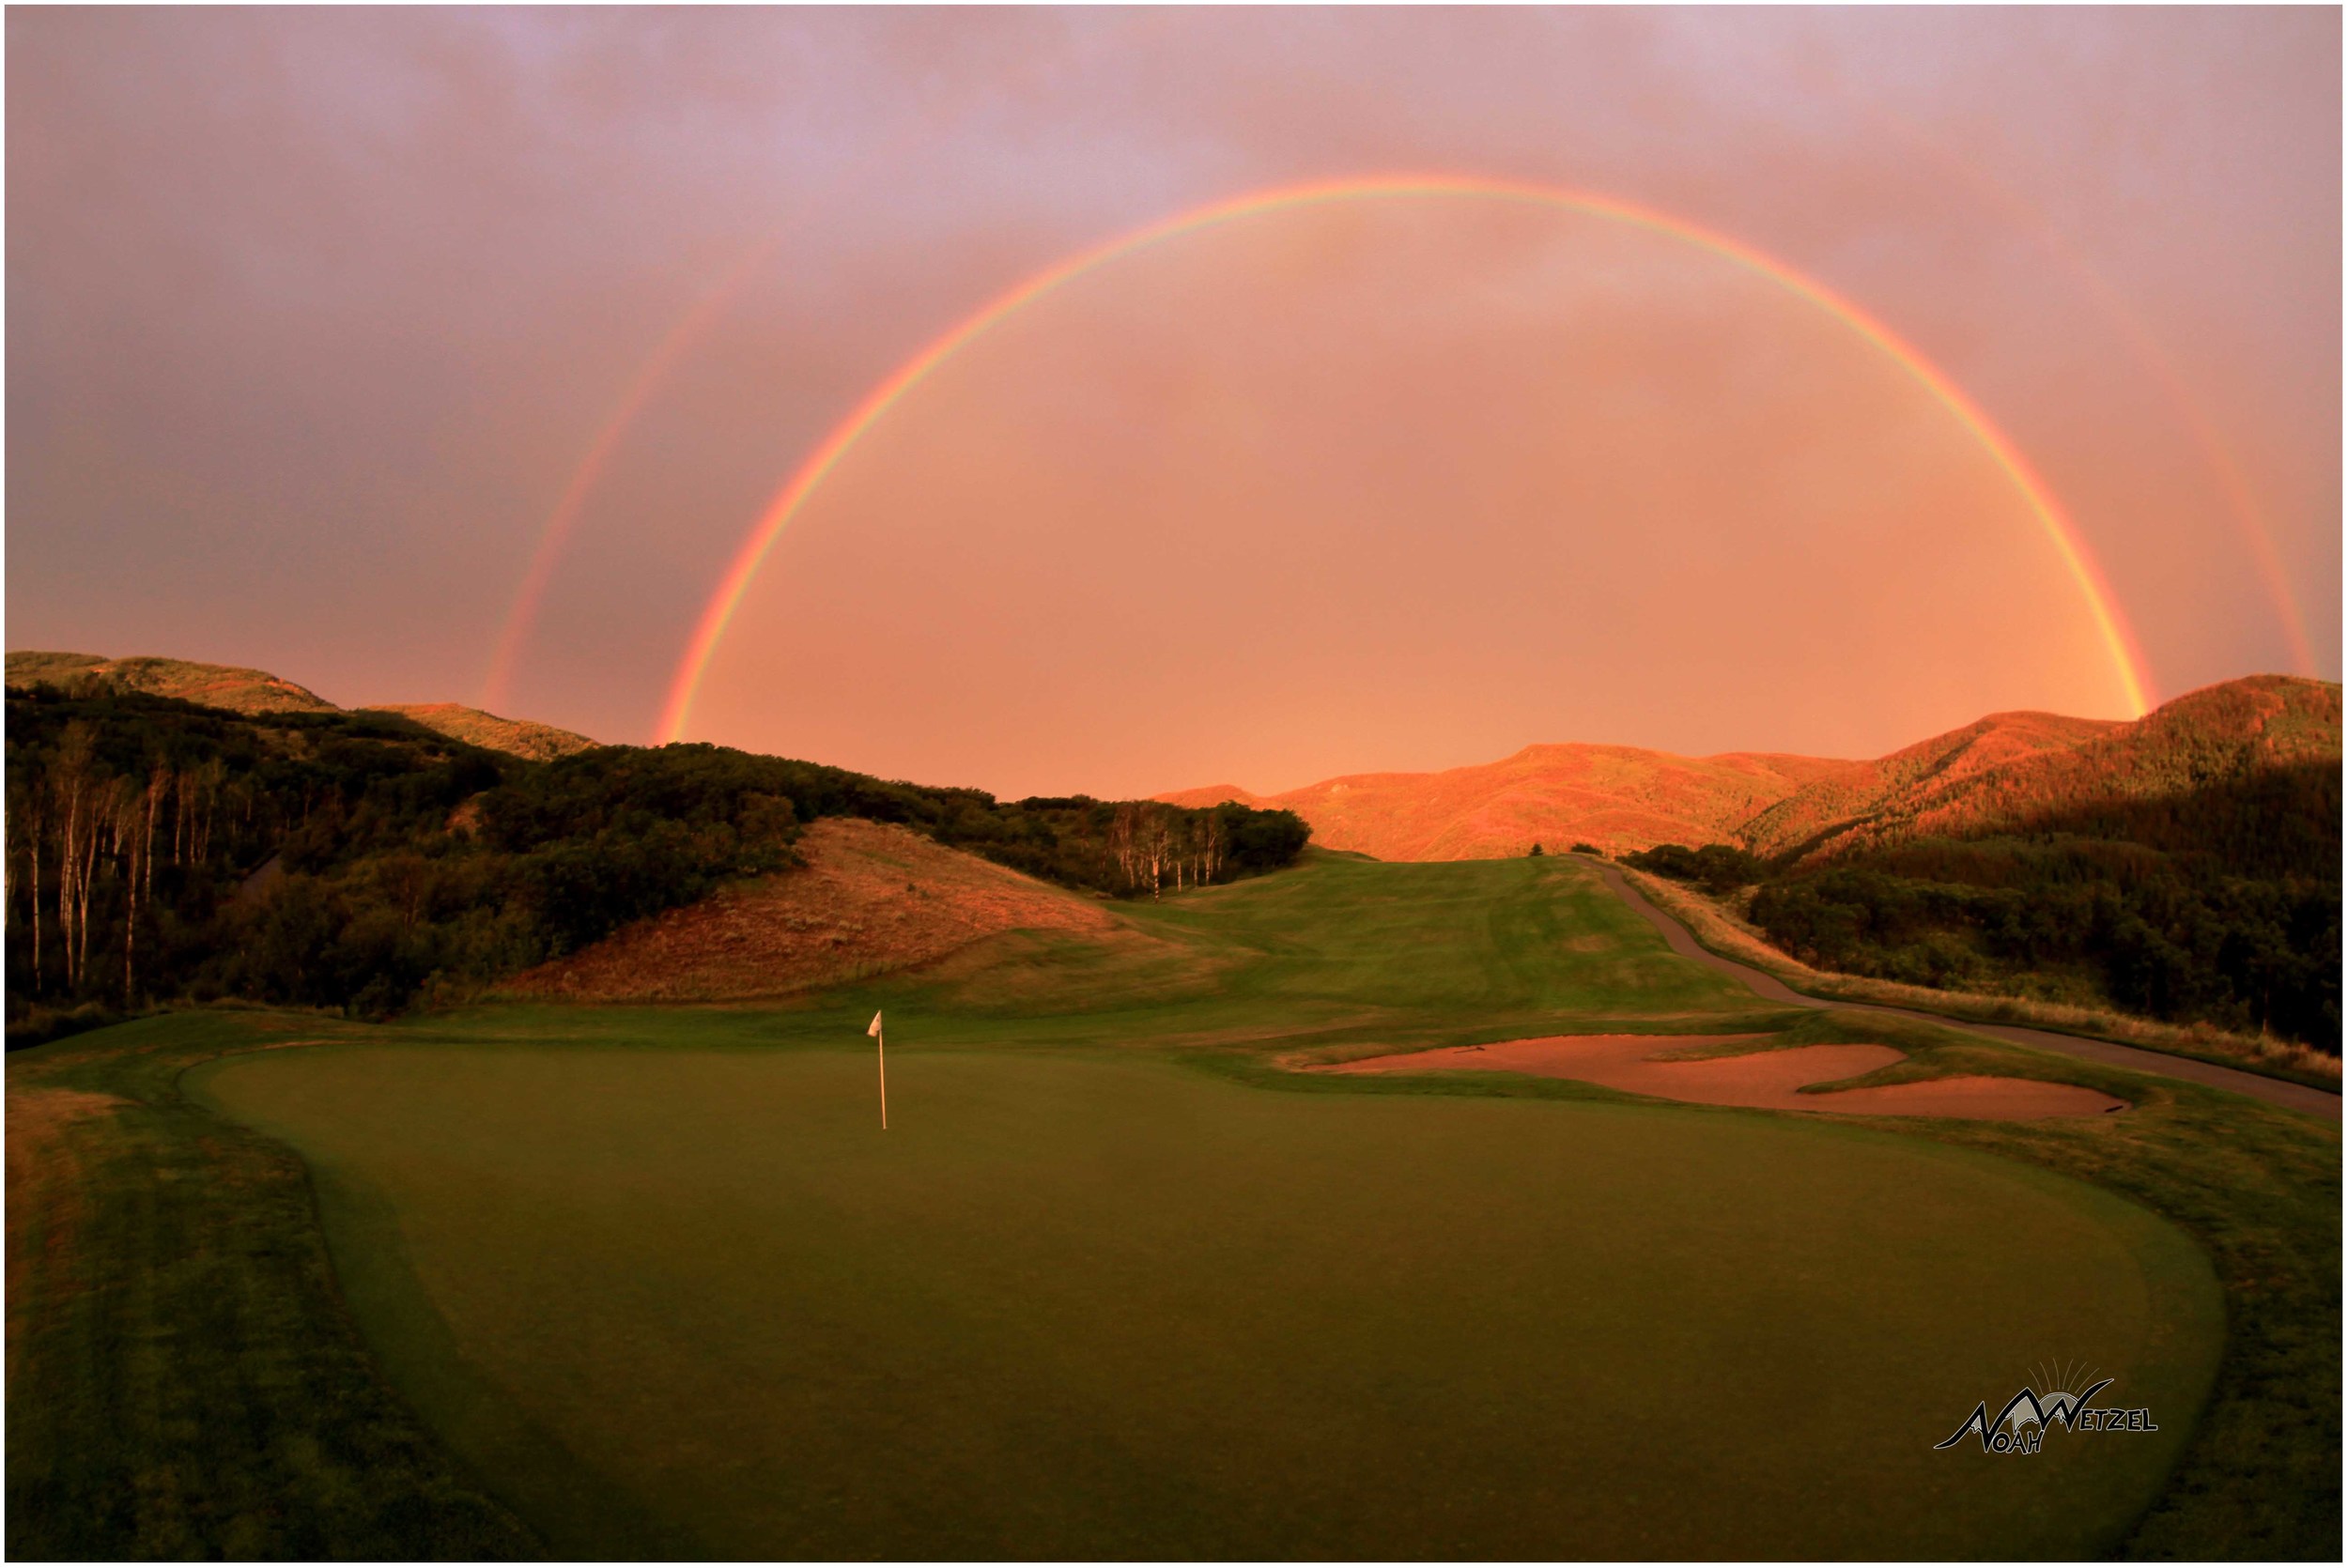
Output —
<point x="160" y="850"/>
<point x="2186" y="866"/>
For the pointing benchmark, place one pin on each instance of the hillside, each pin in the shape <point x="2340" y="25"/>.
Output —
<point x="871" y="898"/>
<point x="1994" y="774"/>
<point x="2013" y="771"/>
<point x="215" y="685"/>
<point x="365" y="862"/>
<point x="2183" y="866"/>
<point x="1616" y="797"/>
<point x="516" y="737"/>
<point x="257" y="691"/>
<point x="1929" y="770"/>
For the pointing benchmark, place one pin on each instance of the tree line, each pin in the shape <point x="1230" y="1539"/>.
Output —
<point x="159" y="851"/>
<point x="2219" y="903"/>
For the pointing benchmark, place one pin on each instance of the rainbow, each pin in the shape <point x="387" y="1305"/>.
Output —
<point x="2217" y="454"/>
<point x="2060" y="532"/>
<point x="555" y="536"/>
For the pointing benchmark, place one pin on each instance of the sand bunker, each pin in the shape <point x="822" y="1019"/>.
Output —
<point x="1767" y="1079"/>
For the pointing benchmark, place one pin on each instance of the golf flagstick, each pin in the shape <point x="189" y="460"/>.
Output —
<point x="874" y="1030"/>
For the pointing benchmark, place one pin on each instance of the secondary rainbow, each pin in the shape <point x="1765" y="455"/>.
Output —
<point x="2060" y="532"/>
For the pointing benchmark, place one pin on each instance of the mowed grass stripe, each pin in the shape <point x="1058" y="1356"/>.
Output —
<point x="1077" y="1306"/>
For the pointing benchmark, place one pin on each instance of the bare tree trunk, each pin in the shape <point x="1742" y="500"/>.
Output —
<point x="25" y="835"/>
<point x="68" y="857"/>
<point x="158" y="785"/>
<point x="1157" y="845"/>
<point x="86" y="879"/>
<point x="38" y="833"/>
<point x="135" y="811"/>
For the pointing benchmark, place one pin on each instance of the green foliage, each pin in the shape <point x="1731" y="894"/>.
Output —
<point x="362" y="862"/>
<point x="1587" y="849"/>
<point x="2173" y="936"/>
<point x="2216" y="904"/>
<point x="1721" y="868"/>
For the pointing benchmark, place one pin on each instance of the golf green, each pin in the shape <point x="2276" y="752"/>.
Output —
<point x="674" y="1298"/>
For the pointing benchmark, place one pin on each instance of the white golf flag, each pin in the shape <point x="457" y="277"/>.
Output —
<point x="874" y="1030"/>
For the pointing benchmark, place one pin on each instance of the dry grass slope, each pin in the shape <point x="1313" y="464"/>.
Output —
<point x="2011" y="768"/>
<point x="257" y="691"/>
<point x="215" y="685"/>
<point x="871" y="898"/>
<point x="2002" y="770"/>
<point x="517" y="737"/>
<point x="1617" y="797"/>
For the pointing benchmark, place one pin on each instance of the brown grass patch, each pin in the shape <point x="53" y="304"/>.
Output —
<point x="44" y="1197"/>
<point x="871" y="899"/>
<point x="1769" y="1080"/>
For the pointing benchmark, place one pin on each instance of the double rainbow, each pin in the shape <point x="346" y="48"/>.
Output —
<point x="2127" y="661"/>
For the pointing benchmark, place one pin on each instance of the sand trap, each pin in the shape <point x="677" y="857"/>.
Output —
<point x="1767" y="1079"/>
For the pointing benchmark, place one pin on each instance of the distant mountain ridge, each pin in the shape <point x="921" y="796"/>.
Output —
<point x="1929" y="769"/>
<point x="2002" y="770"/>
<point x="257" y="691"/>
<point x="2012" y="769"/>
<point x="215" y="685"/>
<point x="1617" y="797"/>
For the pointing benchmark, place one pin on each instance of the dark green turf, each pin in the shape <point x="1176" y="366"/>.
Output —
<point x="1075" y="1306"/>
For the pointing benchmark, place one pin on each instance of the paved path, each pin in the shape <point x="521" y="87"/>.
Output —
<point x="2275" y="1091"/>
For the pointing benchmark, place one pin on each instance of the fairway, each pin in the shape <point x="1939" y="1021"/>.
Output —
<point x="666" y="1297"/>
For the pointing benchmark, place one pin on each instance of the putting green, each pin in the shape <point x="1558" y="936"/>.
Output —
<point x="693" y="1300"/>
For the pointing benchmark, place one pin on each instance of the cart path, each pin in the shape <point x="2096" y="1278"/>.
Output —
<point x="2275" y="1091"/>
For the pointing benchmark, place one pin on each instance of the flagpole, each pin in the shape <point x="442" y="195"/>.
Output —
<point x="884" y="1079"/>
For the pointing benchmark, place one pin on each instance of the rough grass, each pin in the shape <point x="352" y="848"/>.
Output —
<point x="184" y="1379"/>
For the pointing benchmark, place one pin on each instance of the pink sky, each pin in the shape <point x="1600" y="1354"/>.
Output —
<point x="315" y="315"/>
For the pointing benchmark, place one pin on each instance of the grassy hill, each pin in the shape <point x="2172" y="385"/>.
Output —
<point x="257" y="691"/>
<point x="1929" y="770"/>
<point x="2013" y="771"/>
<point x="868" y="899"/>
<point x="1992" y="774"/>
<point x="2183" y="868"/>
<point x="1616" y="797"/>
<point x="163" y="850"/>
<point x="214" y="686"/>
<point x="516" y="737"/>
